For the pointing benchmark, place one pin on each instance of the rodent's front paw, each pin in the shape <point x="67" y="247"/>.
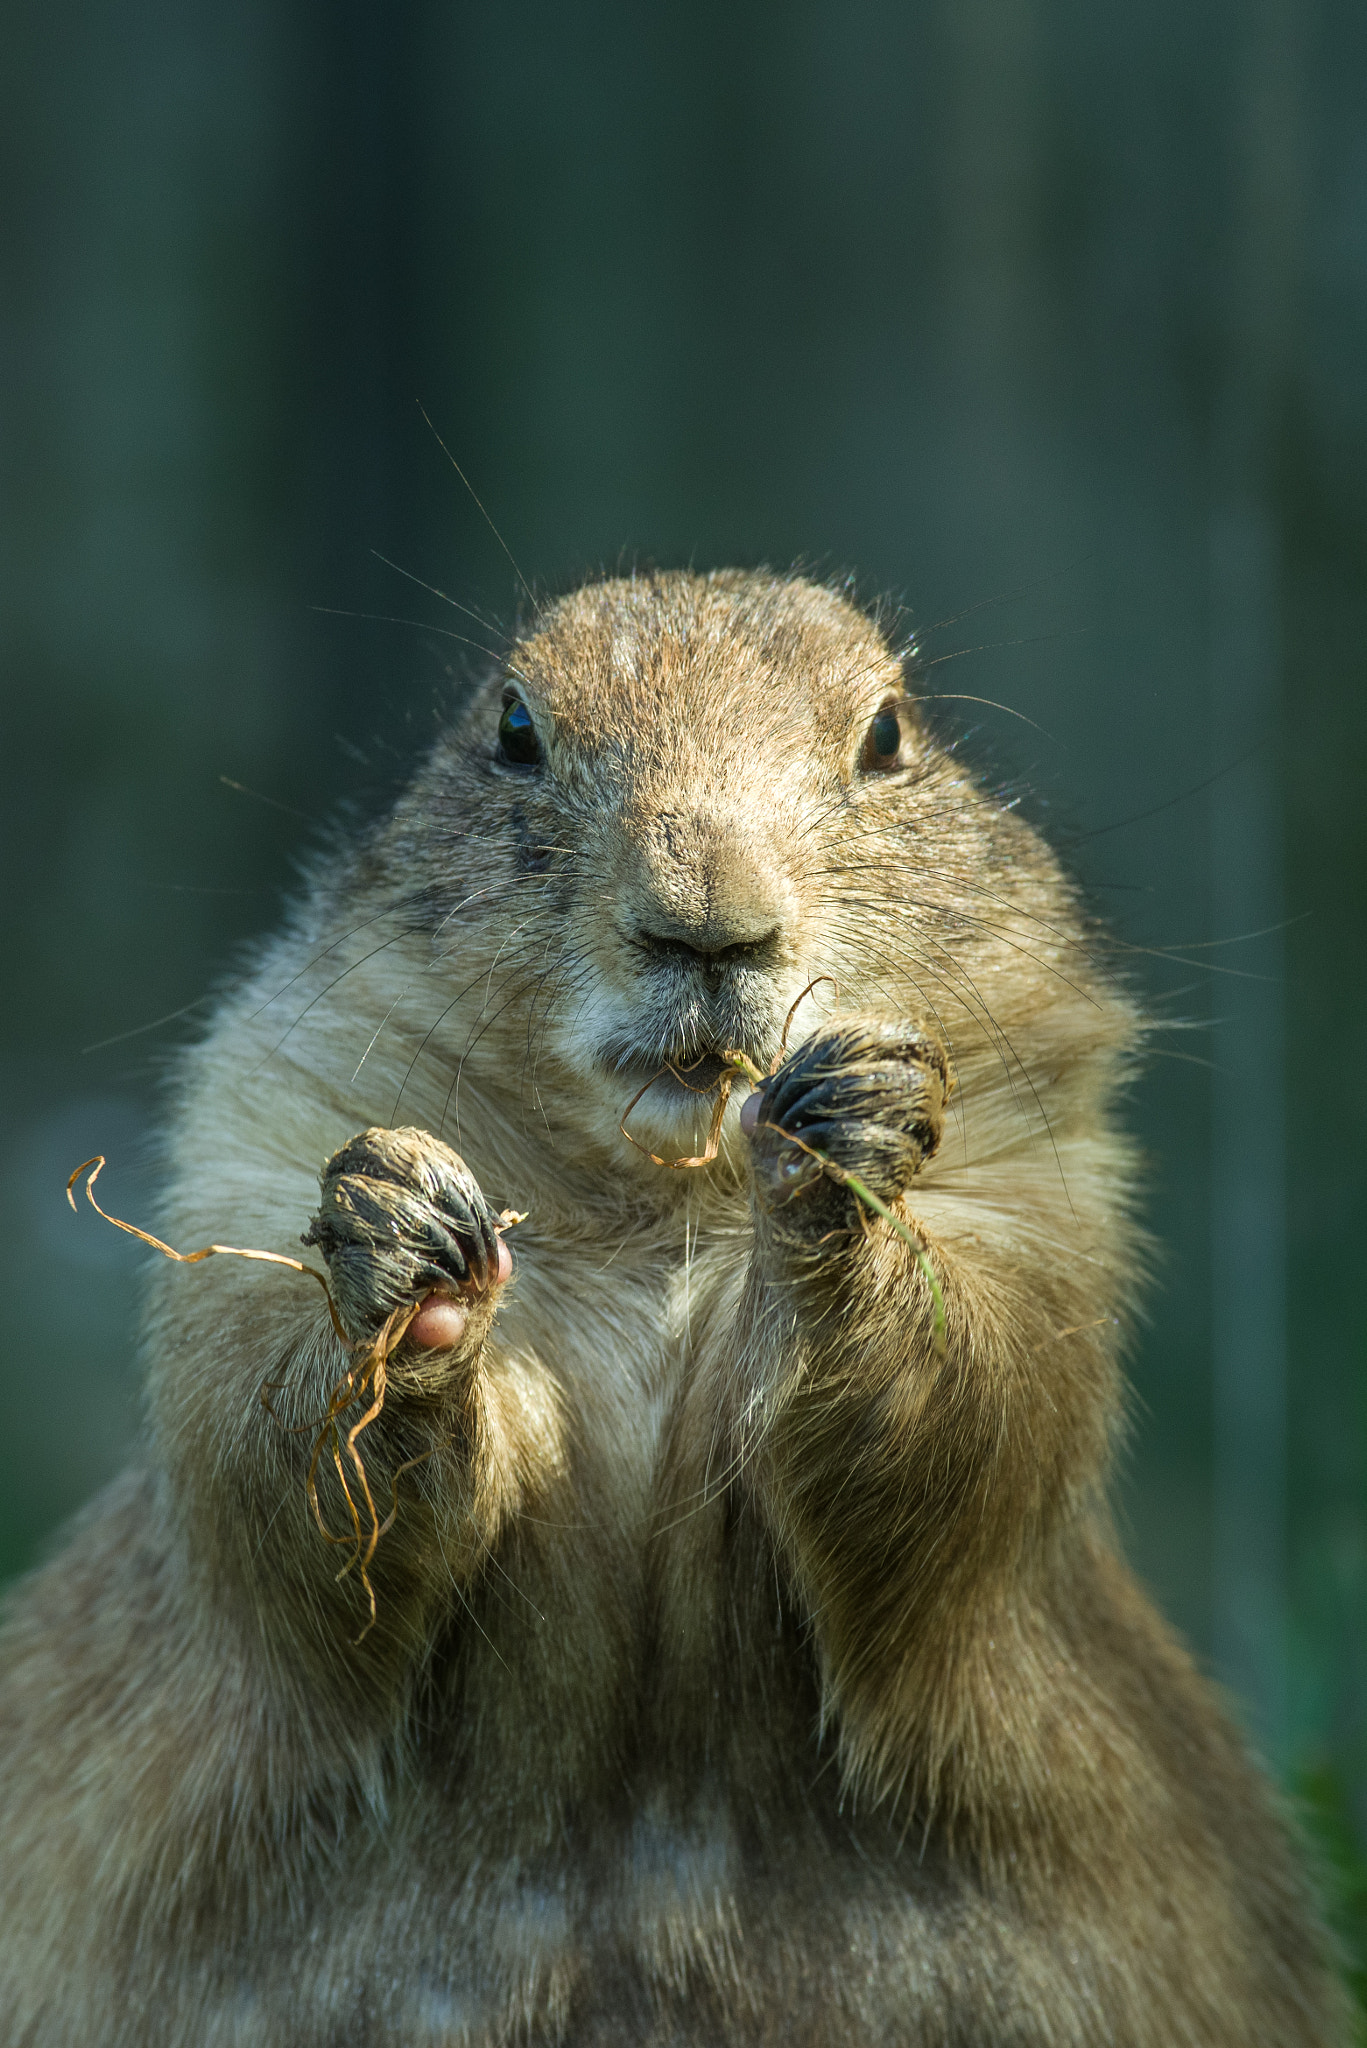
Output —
<point x="868" y="1094"/>
<point x="401" y="1215"/>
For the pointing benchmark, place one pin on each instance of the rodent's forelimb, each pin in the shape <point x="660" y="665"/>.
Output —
<point x="923" y="1486"/>
<point x="248" y="1376"/>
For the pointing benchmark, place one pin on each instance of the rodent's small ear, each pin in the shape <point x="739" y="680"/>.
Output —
<point x="517" y="736"/>
<point x="883" y="741"/>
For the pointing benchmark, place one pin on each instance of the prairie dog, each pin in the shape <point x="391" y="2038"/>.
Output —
<point x="751" y="1660"/>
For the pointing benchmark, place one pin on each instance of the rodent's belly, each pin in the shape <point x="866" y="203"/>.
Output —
<point x="624" y="1936"/>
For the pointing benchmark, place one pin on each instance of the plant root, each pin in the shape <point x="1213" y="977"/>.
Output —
<point x="723" y="1084"/>
<point x="366" y="1381"/>
<point x="208" y="1251"/>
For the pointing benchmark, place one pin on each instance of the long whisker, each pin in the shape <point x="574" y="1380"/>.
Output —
<point x="337" y="611"/>
<point x="961" y="919"/>
<point x="1011" y="1061"/>
<point x="435" y="1026"/>
<point x="394" y="908"/>
<point x="433" y="591"/>
<point x="327" y="989"/>
<point x="961" y="697"/>
<point x="531" y="595"/>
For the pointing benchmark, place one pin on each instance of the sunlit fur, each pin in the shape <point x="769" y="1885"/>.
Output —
<point x="745" y="1671"/>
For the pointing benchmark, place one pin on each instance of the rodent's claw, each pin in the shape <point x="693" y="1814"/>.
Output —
<point x="867" y="1094"/>
<point x="401" y="1214"/>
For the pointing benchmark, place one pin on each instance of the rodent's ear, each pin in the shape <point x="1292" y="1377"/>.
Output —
<point x="883" y="741"/>
<point x="517" y="736"/>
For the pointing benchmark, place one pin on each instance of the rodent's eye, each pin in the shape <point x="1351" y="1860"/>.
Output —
<point x="517" y="738"/>
<point x="883" y="741"/>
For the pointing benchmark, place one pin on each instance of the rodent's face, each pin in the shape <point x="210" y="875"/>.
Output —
<point x="702" y="788"/>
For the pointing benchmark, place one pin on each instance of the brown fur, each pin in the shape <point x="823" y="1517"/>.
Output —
<point x="745" y="1670"/>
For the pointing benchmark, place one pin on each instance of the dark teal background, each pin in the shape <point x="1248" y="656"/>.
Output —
<point x="1008" y="305"/>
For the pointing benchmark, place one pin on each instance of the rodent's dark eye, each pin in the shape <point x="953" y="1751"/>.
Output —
<point x="883" y="743"/>
<point x="517" y="738"/>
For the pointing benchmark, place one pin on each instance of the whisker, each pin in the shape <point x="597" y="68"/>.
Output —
<point x="391" y="909"/>
<point x="531" y="596"/>
<point x="314" y="1001"/>
<point x="978" y="1008"/>
<point x="961" y="918"/>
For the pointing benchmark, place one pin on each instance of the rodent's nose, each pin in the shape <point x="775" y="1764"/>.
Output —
<point x="701" y="890"/>
<point x="710" y="948"/>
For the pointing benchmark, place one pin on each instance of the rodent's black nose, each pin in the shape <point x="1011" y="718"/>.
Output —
<point x="706" y="948"/>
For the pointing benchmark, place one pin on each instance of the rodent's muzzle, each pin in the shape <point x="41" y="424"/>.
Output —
<point x="702" y="924"/>
<point x="710" y="950"/>
<point x="700" y="891"/>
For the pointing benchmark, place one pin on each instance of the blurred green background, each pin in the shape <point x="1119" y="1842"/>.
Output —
<point x="1048" y="317"/>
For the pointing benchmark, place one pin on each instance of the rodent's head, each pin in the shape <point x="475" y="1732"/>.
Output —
<point x="682" y="800"/>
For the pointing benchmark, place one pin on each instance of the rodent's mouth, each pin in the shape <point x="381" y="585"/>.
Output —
<point x="679" y="1070"/>
<point x="694" y="1072"/>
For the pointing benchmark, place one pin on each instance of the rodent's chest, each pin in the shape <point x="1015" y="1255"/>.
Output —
<point x="608" y="1338"/>
<point x="594" y="1626"/>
